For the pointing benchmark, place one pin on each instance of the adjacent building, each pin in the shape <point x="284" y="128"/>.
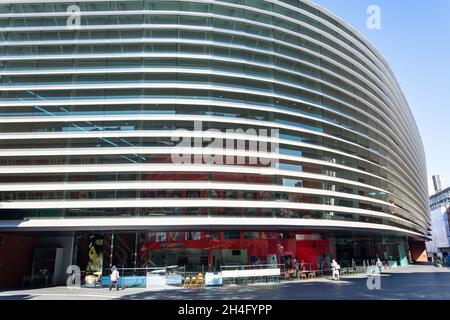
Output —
<point x="200" y="133"/>
<point x="439" y="246"/>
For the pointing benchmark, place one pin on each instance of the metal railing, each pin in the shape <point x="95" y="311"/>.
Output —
<point x="131" y="277"/>
<point x="176" y="275"/>
<point x="320" y="270"/>
<point x="263" y="273"/>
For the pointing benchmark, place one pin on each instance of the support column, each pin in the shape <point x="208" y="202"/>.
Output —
<point x="111" y="254"/>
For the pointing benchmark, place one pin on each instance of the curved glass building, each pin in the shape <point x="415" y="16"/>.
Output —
<point x="203" y="133"/>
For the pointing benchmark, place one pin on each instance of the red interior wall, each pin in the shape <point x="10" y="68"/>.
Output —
<point x="309" y="250"/>
<point x="16" y="258"/>
<point x="418" y="251"/>
<point x="306" y="250"/>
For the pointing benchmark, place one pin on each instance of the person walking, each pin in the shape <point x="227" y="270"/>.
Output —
<point x="379" y="265"/>
<point x="296" y="267"/>
<point x="336" y="267"/>
<point x="114" y="278"/>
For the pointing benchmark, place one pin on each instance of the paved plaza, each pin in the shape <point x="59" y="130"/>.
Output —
<point x="412" y="282"/>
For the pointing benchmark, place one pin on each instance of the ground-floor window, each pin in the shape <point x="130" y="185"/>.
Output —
<point x="209" y="251"/>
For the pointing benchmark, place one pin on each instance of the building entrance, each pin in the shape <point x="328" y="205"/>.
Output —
<point x="229" y="257"/>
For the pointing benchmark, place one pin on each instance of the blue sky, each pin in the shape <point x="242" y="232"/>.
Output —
<point x="415" y="40"/>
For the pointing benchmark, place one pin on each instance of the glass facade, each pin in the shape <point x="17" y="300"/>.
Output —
<point x="200" y="251"/>
<point x="236" y="109"/>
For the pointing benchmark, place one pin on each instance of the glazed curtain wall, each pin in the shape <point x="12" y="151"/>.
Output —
<point x="87" y="114"/>
<point x="202" y="251"/>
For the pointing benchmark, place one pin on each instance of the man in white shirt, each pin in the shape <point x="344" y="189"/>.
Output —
<point x="379" y="265"/>
<point x="114" y="278"/>
<point x="336" y="267"/>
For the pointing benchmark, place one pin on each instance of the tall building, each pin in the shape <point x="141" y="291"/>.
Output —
<point x="437" y="183"/>
<point x="439" y="246"/>
<point x="200" y="133"/>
